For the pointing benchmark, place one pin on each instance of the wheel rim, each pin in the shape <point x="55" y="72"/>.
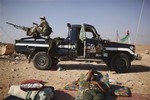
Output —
<point x="121" y="64"/>
<point x="41" y="61"/>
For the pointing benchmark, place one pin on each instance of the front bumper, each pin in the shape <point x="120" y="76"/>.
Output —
<point x="137" y="57"/>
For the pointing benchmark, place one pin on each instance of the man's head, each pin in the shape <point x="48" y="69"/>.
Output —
<point x="42" y="18"/>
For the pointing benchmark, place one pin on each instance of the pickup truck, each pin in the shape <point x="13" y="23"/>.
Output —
<point x="45" y="52"/>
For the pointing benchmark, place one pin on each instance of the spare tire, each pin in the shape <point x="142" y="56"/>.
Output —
<point x="42" y="61"/>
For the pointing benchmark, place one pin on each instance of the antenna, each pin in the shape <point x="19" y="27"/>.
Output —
<point x="139" y="22"/>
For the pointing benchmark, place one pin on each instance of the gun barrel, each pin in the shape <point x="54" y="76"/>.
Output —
<point x="11" y="24"/>
<point x="19" y="26"/>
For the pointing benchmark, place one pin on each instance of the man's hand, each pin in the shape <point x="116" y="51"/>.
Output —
<point x="35" y="23"/>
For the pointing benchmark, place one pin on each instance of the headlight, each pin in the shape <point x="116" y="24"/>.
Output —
<point x="132" y="48"/>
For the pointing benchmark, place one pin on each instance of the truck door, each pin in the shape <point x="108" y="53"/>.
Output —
<point x="91" y="41"/>
<point x="90" y="46"/>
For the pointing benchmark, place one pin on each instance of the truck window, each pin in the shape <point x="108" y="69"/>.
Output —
<point x="89" y="35"/>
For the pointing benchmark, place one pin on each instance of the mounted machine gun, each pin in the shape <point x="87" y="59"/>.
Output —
<point x="29" y="30"/>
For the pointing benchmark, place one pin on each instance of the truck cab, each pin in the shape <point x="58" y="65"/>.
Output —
<point x="74" y="46"/>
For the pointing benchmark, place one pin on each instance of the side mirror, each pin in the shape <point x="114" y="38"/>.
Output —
<point x="69" y="25"/>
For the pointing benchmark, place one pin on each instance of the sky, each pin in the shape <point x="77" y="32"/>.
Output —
<point x="107" y="16"/>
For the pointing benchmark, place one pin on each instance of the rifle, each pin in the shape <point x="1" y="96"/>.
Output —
<point x="19" y="27"/>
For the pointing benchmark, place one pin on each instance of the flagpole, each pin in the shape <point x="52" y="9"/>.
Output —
<point x="117" y="35"/>
<point x="84" y="54"/>
<point x="129" y="39"/>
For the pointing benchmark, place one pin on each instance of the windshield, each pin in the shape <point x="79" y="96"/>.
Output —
<point x="91" y="32"/>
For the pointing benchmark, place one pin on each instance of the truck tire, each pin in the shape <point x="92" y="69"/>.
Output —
<point x="54" y="61"/>
<point x="42" y="61"/>
<point x="120" y="63"/>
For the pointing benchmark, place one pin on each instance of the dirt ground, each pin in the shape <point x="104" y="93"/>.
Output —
<point x="14" y="71"/>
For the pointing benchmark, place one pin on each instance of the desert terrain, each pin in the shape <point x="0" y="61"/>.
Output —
<point x="15" y="70"/>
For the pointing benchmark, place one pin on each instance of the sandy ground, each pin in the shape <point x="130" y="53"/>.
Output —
<point x="14" y="71"/>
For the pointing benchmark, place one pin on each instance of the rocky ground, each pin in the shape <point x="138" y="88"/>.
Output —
<point x="13" y="71"/>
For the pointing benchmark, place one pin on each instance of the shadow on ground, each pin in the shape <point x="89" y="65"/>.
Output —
<point x="139" y="68"/>
<point x="133" y="69"/>
<point x="63" y="95"/>
<point x="83" y="67"/>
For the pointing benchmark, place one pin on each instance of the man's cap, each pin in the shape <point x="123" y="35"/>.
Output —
<point x="42" y="17"/>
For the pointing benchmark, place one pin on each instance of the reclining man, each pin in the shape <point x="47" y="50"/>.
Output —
<point x="91" y="87"/>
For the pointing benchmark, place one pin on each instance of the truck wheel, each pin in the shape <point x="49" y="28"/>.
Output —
<point x="54" y="61"/>
<point x="120" y="63"/>
<point x="42" y="61"/>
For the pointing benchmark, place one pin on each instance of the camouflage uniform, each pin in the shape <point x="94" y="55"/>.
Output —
<point x="46" y="29"/>
<point x="89" y="91"/>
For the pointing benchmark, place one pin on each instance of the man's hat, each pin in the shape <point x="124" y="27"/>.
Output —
<point x="42" y="17"/>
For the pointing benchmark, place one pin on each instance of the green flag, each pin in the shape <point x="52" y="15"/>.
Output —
<point x="82" y="35"/>
<point x="124" y="39"/>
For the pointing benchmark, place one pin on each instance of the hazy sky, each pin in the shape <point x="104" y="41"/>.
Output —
<point x="107" y="16"/>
